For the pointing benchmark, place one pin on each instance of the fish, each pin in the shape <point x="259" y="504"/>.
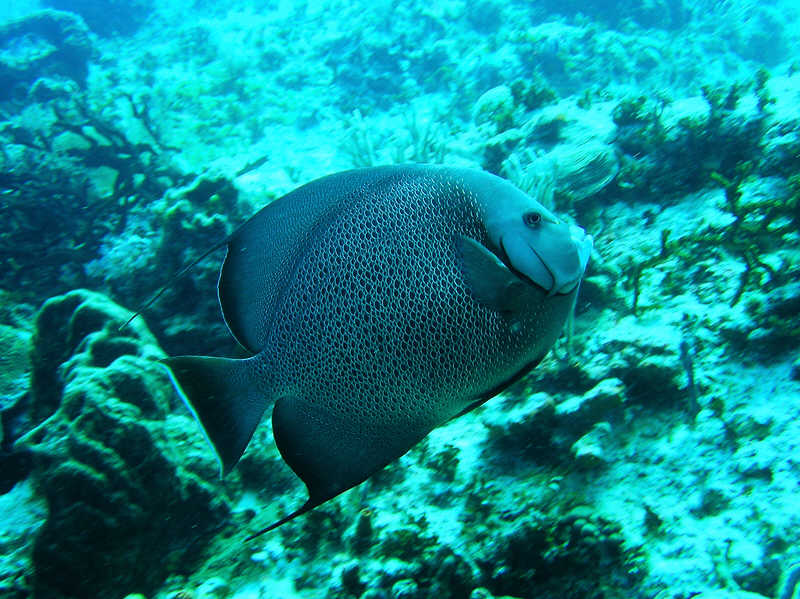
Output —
<point x="375" y="305"/>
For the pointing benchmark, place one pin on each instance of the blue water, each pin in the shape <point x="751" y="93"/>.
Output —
<point x="651" y="454"/>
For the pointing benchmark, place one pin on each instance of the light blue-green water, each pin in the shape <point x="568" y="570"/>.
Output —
<point x="653" y="453"/>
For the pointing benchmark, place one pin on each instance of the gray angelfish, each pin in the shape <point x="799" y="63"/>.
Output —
<point x="378" y="304"/>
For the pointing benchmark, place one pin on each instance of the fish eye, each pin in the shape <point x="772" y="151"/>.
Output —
<point x="532" y="219"/>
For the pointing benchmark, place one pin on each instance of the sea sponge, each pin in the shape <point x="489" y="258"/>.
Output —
<point x="495" y="109"/>
<point x="105" y="456"/>
<point x="583" y="169"/>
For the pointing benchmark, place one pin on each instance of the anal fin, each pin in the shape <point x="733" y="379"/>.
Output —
<point x="332" y="452"/>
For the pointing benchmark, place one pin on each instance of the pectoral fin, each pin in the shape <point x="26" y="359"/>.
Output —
<point x="488" y="279"/>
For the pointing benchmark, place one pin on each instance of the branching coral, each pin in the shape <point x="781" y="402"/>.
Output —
<point x="746" y="237"/>
<point x="668" y="149"/>
<point x="359" y="144"/>
<point x="421" y="140"/>
<point x="756" y="229"/>
<point x="69" y="178"/>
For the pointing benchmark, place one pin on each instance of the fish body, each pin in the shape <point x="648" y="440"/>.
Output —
<point x="378" y="304"/>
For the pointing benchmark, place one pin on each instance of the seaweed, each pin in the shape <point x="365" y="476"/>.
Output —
<point x="421" y="140"/>
<point x="641" y="129"/>
<point x="533" y="92"/>
<point x="359" y="144"/>
<point x="636" y="268"/>
<point x="754" y="229"/>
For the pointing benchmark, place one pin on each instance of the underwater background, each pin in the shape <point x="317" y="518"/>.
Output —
<point x="654" y="453"/>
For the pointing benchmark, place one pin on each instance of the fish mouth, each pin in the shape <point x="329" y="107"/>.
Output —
<point x="583" y="243"/>
<point x="557" y="273"/>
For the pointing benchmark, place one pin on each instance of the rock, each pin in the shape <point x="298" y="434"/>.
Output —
<point x="15" y="364"/>
<point x="545" y="432"/>
<point x="454" y="576"/>
<point x="776" y="327"/>
<point x="405" y="589"/>
<point x="588" y="450"/>
<point x="483" y="593"/>
<point x="539" y="555"/>
<point x="45" y="44"/>
<point x="795" y="372"/>
<point x="124" y="510"/>
<point x="581" y="412"/>
<point x="351" y="579"/>
<point x="728" y="594"/>
<point x="214" y="588"/>
<point x="644" y="355"/>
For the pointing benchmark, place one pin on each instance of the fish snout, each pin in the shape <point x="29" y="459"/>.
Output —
<point x="584" y="243"/>
<point x="580" y="249"/>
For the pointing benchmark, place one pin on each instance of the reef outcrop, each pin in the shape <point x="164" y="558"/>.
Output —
<point x="127" y="504"/>
<point x="45" y="44"/>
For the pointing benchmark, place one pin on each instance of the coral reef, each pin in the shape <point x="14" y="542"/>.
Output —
<point x="95" y="200"/>
<point x="23" y="516"/>
<point x="651" y="455"/>
<point x="46" y="45"/>
<point x="667" y="14"/>
<point x="562" y="146"/>
<point x="102" y="441"/>
<point x="575" y="555"/>
<point x="668" y="147"/>
<point x="70" y="177"/>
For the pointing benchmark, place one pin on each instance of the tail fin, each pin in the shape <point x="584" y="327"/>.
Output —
<point x="224" y="397"/>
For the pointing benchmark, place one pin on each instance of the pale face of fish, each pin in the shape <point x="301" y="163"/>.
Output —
<point x="537" y="244"/>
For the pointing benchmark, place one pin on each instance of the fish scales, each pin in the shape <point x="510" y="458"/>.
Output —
<point x="377" y="319"/>
<point x="378" y="305"/>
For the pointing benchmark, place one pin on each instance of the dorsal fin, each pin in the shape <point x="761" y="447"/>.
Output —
<point x="306" y="507"/>
<point x="171" y="281"/>
<point x="262" y="253"/>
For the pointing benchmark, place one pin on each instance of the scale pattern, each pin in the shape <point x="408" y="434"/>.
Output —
<point x="377" y="326"/>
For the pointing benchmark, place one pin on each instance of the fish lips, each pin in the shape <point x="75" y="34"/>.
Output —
<point x="532" y="265"/>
